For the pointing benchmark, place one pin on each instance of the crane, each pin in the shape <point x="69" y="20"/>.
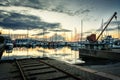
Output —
<point x="114" y="15"/>
<point x="93" y="38"/>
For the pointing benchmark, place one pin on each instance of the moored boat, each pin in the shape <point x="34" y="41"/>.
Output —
<point x="105" y="49"/>
<point x="103" y="54"/>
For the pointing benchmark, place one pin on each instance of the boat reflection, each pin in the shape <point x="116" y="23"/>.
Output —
<point x="8" y="51"/>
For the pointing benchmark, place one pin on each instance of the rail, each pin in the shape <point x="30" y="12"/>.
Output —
<point x="69" y="74"/>
<point x="21" y="71"/>
<point x="25" y="67"/>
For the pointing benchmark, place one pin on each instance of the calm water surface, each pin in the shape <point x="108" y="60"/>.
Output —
<point x="63" y="54"/>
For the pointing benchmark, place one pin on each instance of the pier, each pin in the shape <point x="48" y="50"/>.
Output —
<point x="113" y="54"/>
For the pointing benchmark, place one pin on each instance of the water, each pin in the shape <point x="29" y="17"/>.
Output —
<point x="63" y="54"/>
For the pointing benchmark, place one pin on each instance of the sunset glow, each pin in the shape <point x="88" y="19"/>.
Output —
<point x="52" y="15"/>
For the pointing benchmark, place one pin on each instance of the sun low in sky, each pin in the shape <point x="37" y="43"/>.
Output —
<point x="57" y="16"/>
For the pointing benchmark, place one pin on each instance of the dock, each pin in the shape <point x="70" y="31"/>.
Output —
<point x="48" y="69"/>
<point x="103" y="54"/>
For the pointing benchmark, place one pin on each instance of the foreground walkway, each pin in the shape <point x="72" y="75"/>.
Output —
<point x="48" y="69"/>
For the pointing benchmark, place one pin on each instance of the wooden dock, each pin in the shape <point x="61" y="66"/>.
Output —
<point x="48" y="69"/>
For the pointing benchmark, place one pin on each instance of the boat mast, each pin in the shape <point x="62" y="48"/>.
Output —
<point x="81" y="29"/>
<point x="102" y="28"/>
<point x="75" y="34"/>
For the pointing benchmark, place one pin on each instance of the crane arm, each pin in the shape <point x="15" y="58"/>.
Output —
<point x="114" y="15"/>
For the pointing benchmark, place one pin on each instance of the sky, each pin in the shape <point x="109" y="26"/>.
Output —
<point x="59" y="16"/>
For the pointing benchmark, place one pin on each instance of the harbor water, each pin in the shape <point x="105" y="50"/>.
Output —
<point x="65" y="54"/>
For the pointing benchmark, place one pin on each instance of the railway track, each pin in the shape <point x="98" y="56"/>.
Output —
<point x="36" y="69"/>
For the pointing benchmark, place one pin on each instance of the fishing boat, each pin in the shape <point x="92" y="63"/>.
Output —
<point x="99" y="50"/>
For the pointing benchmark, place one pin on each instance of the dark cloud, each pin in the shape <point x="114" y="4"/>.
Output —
<point x="50" y="5"/>
<point x="20" y="21"/>
<point x="82" y="11"/>
<point x="62" y="9"/>
<point x="111" y="29"/>
<point x="61" y="30"/>
<point x="99" y="30"/>
<point x="85" y="11"/>
<point x="71" y="12"/>
<point x="57" y="37"/>
<point x="38" y="4"/>
<point x="43" y="33"/>
<point x="111" y="26"/>
<point x="115" y="23"/>
<point x="3" y="14"/>
<point x="82" y="8"/>
<point x="4" y="3"/>
<point x="88" y="32"/>
<point x="71" y="7"/>
<point x="108" y="29"/>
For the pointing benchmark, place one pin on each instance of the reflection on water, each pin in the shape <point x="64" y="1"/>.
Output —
<point x="63" y="54"/>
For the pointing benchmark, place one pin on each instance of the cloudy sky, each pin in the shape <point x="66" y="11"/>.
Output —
<point x="57" y="15"/>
